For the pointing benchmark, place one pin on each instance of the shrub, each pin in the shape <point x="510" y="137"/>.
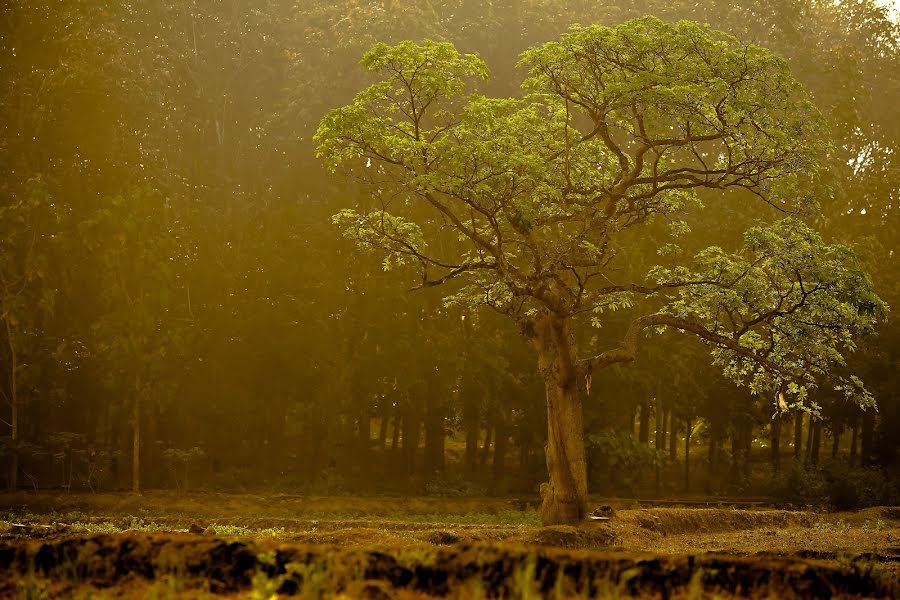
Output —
<point x="853" y="489"/>
<point x="620" y="458"/>
<point x="802" y="485"/>
<point x="837" y="485"/>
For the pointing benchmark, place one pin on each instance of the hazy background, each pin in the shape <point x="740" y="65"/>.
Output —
<point x="167" y="259"/>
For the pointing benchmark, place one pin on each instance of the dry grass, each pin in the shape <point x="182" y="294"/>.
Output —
<point x="211" y="505"/>
<point x="459" y="538"/>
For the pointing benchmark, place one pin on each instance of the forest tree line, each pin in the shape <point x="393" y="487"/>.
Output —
<point x="179" y="310"/>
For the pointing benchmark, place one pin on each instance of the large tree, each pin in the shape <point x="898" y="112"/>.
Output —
<point x="529" y="205"/>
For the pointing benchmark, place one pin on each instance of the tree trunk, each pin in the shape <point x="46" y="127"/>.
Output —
<point x="364" y="430"/>
<point x="658" y="443"/>
<point x="673" y="439"/>
<point x="747" y="439"/>
<point x="854" y="437"/>
<point x="836" y="441"/>
<point x="810" y="431"/>
<point x="136" y="440"/>
<point x="644" y="425"/>
<point x="687" y="455"/>
<point x="741" y="444"/>
<point x="712" y="458"/>
<point x="736" y="467"/>
<point x="395" y="433"/>
<point x="501" y="444"/>
<point x="14" y="427"/>
<point x="816" y="443"/>
<point x="660" y="426"/>
<point x="488" y="438"/>
<point x="776" y="444"/>
<point x="149" y="459"/>
<point x="410" y="441"/>
<point x="565" y="495"/>
<point x="471" y="421"/>
<point x="798" y="435"/>
<point x="666" y="431"/>
<point x="434" y="435"/>
<point x="866" y="438"/>
<point x="13" y="479"/>
<point x="383" y="423"/>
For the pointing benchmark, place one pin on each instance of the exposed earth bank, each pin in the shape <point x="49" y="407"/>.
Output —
<point x="131" y="561"/>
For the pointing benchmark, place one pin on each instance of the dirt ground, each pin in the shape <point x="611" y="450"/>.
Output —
<point x="212" y="545"/>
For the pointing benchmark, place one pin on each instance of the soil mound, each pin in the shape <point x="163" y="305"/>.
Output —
<point x="587" y="537"/>
<point x="228" y="566"/>
<point x="673" y="521"/>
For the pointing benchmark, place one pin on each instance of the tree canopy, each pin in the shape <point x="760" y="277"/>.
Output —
<point x="619" y="127"/>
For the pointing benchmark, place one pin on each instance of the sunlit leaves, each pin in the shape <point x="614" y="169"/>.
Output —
<point x="620" y="126"/>
<point x="397" y="237"/>
<point x="732" y="113"/>
<point x="788" y="297"/>
<point x="398" y="118"/>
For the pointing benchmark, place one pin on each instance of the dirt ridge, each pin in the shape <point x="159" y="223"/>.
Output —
<point x="229" y="565"/>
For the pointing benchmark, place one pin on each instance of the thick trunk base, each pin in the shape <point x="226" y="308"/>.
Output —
<point x="564" y="497"/>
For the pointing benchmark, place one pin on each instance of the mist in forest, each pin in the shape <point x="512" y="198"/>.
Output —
<point x="227" y="266"/>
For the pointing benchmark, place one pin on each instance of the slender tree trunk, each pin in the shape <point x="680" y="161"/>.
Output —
<point x="136" y="439"/>
<point x="434" y="434"/>
<point x="383" y="423"/>
<point x="798" y="435"/>
<point x="488" y="439"/>
<point x="14" y="454"/>
<point x="816" y="443"/>
<point x="666" y="431"/>
<point x="712" y="458"/>
<point x="854" y="437"/>
<point x="13" y="479"/>
<point x="411" y="434"/>
<point x="405" y="451"/>
<point x="737" y="457"/>
<point x="501" y="445"/>
<point x="149" y="430"/>
<point x="364" y="430"/>
<point x="644" y="425"/>
<point x="776" y="444"/>
<point x="836" y="441"/>
<point x="395" y="433"/>
<point x="866" y="438"/>
<point x="660" y="425"/>
<point x="14" y="427"/>
<point x="471" y="419"/>
<point x="687" y="455"/>
<point x="810" y="432"/>
<point x="747" y="440"/>
<point x="734" y="470"/>
<point x="658" y="443"/>
<point x="673" y="439"/>
<point x="565" y="495"/>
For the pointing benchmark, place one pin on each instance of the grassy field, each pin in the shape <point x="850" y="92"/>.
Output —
<point x="243" y="546"/>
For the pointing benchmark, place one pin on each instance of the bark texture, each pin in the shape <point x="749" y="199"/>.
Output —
<point x="136" y="441"/>
<point x="565" y="495"/>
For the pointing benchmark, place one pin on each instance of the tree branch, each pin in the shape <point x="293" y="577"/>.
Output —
<point x="627" y="352"/>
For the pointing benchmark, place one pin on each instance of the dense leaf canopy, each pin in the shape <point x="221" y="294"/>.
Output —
<point x="619" y="128"/>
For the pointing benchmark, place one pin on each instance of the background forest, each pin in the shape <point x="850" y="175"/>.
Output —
<point x="172" y="283"/>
